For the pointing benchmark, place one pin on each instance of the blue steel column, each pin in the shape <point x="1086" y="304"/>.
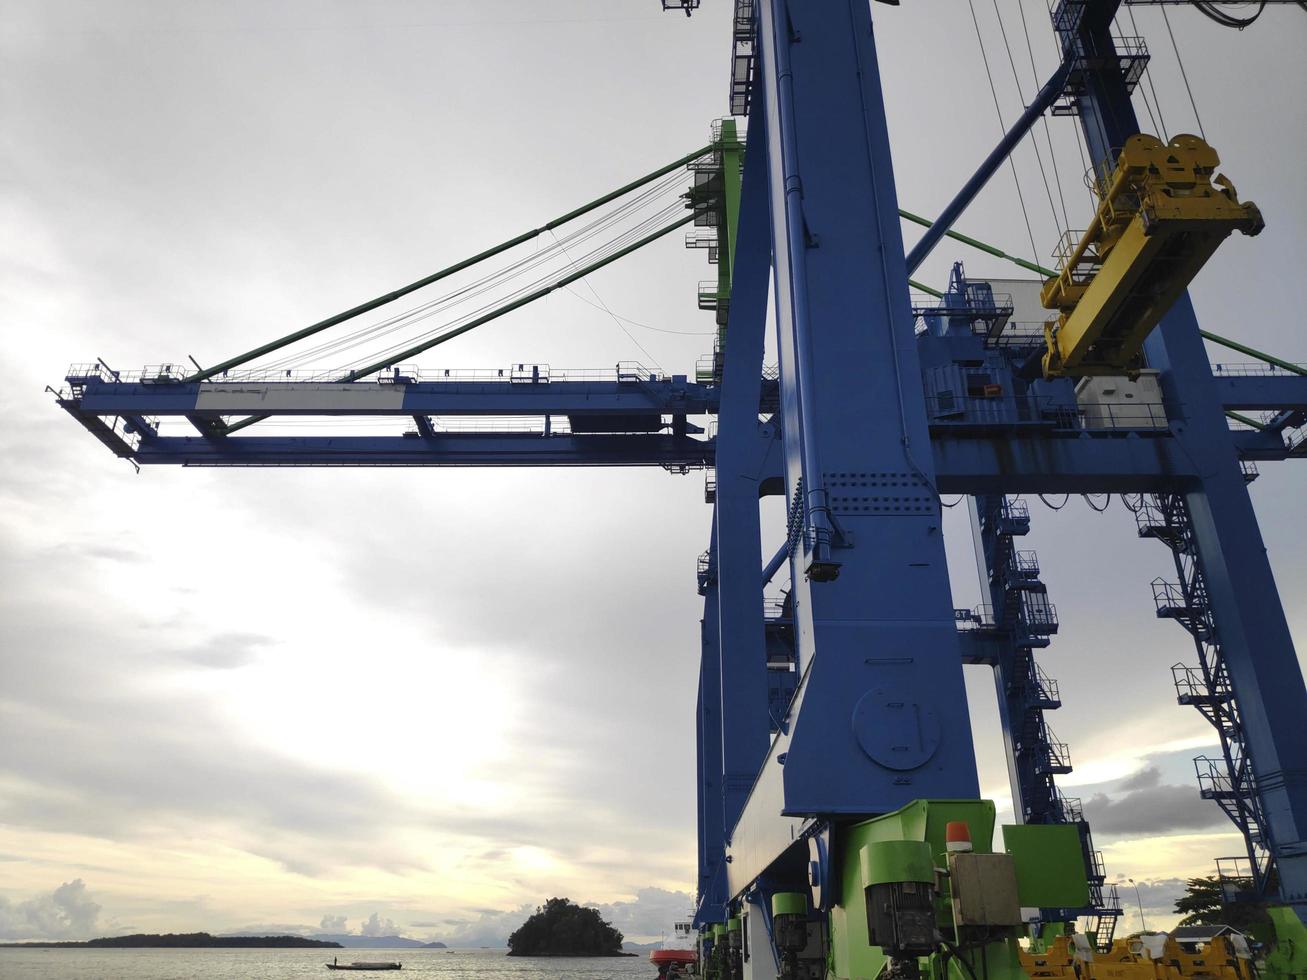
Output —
<point x="708" y="731"/>
<point x="744" y="711"/>
<point x="880" y="718"/>
<point x="1264" y="671"/>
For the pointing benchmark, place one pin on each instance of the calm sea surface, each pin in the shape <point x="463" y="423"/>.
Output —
<point x="275" y="964"/>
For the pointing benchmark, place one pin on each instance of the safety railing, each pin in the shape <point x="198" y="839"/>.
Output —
<point x="1026" y="563"/>
<point x="985" y="312"/>
<point x="1098" y="866"/>
<point x="709" y="294"/>
<point x="704" y="571"/>
<point x="998" y="408"/>
<point x="742" y="57"/>
<point x="1235" y="875"/>
<point x="1019" y="335"/>
<point x="1015" y="509"/>
<point x="1171" y="602"/>
<point x="709" y="240"/>
<point x="1055" y="756"/>
<point x="978" y="617"/>
<point x="1076" y="265"/>
<point x="507" y="425"/>
<point x="1038" y="615"/>
<point x="624" y="371"/>
<point x="1071" y="807"/>
<point x="1192" y="685"/>
<point x="1254" y="369"/>
<point x="1132" y="415"/>
<point x="1215" y="781"/>
<point x="1046" y="686"/>
<point x="78" y="374"/>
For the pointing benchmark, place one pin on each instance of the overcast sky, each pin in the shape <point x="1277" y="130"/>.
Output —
<point x="427" y="699"/>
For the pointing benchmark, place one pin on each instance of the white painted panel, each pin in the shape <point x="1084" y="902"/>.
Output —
<point x="311" y="397"/>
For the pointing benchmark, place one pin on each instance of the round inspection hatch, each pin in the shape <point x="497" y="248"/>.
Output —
<point x="894" y="730"/>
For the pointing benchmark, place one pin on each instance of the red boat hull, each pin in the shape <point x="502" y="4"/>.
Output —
<point x="669" y="956"/>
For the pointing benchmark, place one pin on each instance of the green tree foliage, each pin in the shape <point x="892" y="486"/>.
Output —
<point x="1204" y="904"/>
<point x="562" y="928"/>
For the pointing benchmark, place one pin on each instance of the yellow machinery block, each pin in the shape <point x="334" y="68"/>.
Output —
<point x="1156" y="956"/>
<point x="1160" y="216"/>
<point x="1057" y="961"/>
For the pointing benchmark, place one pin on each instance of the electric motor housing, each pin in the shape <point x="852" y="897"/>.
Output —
<point x="898" y="877"/>
<point x="790" y="921"/>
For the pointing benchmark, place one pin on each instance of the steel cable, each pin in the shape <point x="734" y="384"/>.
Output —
<point x="498" y="278"/>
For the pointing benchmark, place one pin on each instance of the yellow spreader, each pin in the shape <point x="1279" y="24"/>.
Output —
<point x="1161" y="215"/>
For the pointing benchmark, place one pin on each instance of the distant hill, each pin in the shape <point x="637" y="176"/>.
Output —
<point x="194" y="940"/>
<point x="350" y="941"/>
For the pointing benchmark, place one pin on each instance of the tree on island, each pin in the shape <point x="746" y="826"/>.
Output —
<point x="562" y="928"/>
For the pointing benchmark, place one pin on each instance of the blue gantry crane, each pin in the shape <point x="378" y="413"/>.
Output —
<point x="841" y="832"/>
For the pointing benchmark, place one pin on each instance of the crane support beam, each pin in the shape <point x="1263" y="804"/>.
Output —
<point x="1261" y="392"/>
<point x="966" y="464"/>
<point x="742" y="455"/>
<point x="446" y="449"/>
<point x="1266" y="677"/>
<point x="640" y="393"/>
<point x="941" y="226"/>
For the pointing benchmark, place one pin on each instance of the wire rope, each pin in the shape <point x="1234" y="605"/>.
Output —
<point x="1066" y="497"/>
<point x="399" y="320"/>
<point x="1215" y="13"/>
<point x="1048" y="133"/>
<point x="596" y="255"/>
<point x="1184" y="74"/>
<point x="1106" y="503"/>
<point x="1160" y="122"/>
<point x="1002" y="129"/>
<point x="1034" y="141"/>
<point x="643" y="326"/>
<point x="620" y="326"/>
<point x="477" y="287"/>
<point x="502" y="277"/>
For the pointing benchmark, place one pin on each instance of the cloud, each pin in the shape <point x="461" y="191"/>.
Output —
<point x="377" y="926"/>
<point x="68" y="912"/>
<point x="227" y="651"/>
<point x="1154" y="808"/>
<point x="1146" y="778"/>
<point x="1158" y="896"/>
<point x="334" y="924"/>
<point x="489" y="927"/>
<point x="651" y="915"/>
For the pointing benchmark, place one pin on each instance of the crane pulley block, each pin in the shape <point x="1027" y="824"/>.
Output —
<point x="1161" y="214"/>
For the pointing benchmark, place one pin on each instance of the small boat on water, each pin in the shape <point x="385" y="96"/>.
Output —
<point x="674" y="964"/>
<point x="365" y="965"/>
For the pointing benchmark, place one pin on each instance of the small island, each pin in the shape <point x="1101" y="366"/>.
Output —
<point x="560" y="927"/>
<point x="192" y="940"/>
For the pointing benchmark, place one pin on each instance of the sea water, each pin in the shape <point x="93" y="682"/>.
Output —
<point x="276" y="964"/>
